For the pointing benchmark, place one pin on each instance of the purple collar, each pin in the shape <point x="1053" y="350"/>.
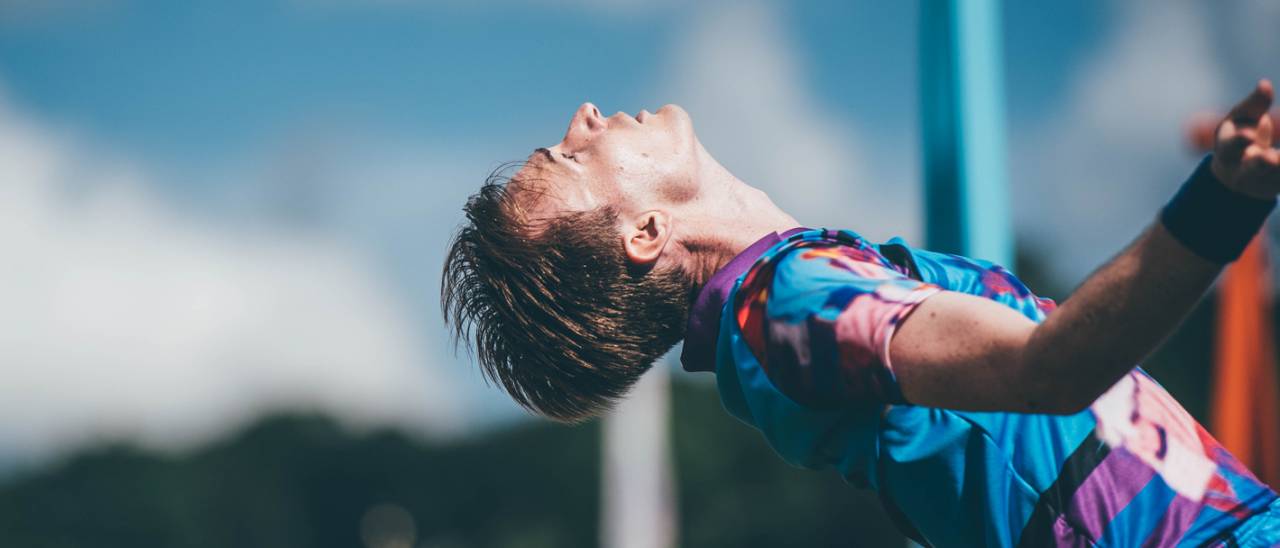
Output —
<point x="700" y="337"/>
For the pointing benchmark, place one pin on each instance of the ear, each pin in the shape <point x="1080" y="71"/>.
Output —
<point x="646" y="235"/>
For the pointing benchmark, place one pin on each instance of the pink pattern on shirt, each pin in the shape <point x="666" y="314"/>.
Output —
<point x="1140" y="416"/>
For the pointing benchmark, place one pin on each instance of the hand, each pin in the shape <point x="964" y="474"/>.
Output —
<point x="1243" y="158"/>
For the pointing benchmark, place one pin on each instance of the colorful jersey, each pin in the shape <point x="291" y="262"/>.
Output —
<point x="802" y="353"/>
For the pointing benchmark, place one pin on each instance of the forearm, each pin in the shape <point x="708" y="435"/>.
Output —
<point x="964" y="352"/>
<point x="1118" y="316"/>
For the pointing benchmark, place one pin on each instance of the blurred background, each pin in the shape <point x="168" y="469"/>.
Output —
<point x="222" y="225"/>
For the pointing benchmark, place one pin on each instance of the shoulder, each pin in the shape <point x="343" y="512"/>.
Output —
<point x="816" y="315"/>
<point x="819" y="270"/>
<point x="818" y="257"/>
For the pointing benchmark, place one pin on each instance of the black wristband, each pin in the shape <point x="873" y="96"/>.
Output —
<point x="1213" y="221"/>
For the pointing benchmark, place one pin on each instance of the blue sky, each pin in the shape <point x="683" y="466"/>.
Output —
<point x="183" y="82"/>
<point x="297" y="164"/>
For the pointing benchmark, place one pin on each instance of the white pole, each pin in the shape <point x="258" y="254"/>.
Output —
<point x="637" y="487"/>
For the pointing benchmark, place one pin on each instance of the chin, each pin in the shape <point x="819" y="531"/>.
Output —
<point x="679" y="123"/>
<point x="676" y="113"/>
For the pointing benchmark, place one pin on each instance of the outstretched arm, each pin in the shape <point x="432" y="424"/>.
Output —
<point x="964" y="352"/>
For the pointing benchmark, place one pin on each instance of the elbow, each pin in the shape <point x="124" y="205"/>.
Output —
<point x="1061" y="402"/>
<point x="1046" y="397"/>
<point x="1052" y="394"/>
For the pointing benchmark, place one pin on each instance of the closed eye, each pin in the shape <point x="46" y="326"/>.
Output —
<point x="569" y="156"/>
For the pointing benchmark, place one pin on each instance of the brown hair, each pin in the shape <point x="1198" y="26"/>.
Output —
<point x="553" y="310"/>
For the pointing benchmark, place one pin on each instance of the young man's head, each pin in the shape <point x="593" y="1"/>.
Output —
<point x="572" y="277"/>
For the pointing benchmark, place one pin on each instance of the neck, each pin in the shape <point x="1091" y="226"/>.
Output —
<point x="728" y="216"/>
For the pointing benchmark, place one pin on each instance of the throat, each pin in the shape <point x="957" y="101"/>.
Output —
<point x="706" y="257"/>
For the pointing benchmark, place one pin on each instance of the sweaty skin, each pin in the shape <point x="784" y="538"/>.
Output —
<point x="678" y="206"/>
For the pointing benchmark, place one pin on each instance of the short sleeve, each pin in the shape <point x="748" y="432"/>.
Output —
<point x="819" y="319"/>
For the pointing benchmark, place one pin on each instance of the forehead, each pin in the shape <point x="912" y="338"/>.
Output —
<point x="545" y="190"/>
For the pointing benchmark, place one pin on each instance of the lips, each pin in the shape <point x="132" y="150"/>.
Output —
<point x="642" y="116"/>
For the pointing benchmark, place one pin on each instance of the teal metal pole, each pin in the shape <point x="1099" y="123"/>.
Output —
<point x="962" y="127"/>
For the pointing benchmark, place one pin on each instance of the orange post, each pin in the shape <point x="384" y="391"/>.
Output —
<point x="1246" y="395"/>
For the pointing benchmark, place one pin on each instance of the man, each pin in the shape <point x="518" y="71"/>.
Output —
<point x="978" y="412"/>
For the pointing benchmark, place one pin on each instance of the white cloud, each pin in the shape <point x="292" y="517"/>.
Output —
<point x="743" y="82"/>
<point x="125" y="317"/>
<point x="1089" y="176"/>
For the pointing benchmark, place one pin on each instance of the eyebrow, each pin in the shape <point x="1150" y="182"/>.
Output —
<point x="546" y="153"/>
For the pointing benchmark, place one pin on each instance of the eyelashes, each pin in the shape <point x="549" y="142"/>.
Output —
<point x="573" y="157"/>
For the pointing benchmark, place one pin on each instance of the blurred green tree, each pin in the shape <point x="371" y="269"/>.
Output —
<point x="302" y="481"/>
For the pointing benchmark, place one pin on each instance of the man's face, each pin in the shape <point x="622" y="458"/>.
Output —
<point x="630" y="162"/>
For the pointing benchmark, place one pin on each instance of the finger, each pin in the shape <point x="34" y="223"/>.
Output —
<point x="1271" y="157"/>
<point x="1263" y="170"/>
<point x="1265" y="128"/>
<point x="1232" y="141"/>
<point x="1231" y="149"/>
<point x="1259" y="161"/>
<point x="1248" y="110"/>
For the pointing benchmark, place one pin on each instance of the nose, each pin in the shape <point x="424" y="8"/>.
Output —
<point x="586" y="123"/>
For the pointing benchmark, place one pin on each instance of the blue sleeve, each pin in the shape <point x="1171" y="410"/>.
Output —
<point x="819" y="320"/>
